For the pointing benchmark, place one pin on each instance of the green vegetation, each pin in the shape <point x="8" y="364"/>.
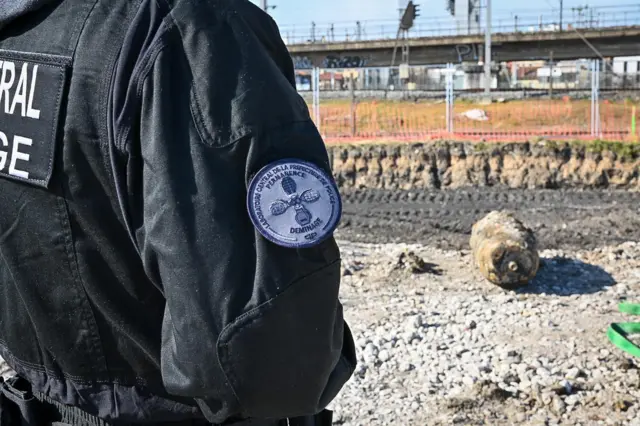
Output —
<point x="624" y="150"/>
<point x="552" y="145"/>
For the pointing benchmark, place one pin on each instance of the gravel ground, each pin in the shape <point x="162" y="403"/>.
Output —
<point x="443" y="346"/>
<point x="446" y="347"/>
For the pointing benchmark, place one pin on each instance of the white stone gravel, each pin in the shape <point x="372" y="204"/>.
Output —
<point x="449" y="347"/>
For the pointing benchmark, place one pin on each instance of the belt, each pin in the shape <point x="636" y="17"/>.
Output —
<point x="20" y="406"/>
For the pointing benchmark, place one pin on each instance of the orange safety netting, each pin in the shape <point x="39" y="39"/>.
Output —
<point x="507" y="121"/>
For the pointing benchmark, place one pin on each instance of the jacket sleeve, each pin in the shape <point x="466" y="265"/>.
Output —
<point x="252" y="329"/>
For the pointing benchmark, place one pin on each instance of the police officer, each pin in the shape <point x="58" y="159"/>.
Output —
<point x="166" y="220"/>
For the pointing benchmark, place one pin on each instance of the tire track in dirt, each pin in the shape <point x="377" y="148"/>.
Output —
<point x="560" y="218"/>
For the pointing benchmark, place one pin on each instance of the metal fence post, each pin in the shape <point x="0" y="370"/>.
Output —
<point x="591" y="112"/>
<point x="595" y="101"/>
<point x="352" y="106"/>
<point x="597" y="93"/>
<point x="316" y="96"/>
<point x="313" y="92"/>
<point x="446" y="94"/>
<point x="449" y="96"/>
<point x="592" y="115"/>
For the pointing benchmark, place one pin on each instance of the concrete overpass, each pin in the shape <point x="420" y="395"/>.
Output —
<point x="520" y="46"/>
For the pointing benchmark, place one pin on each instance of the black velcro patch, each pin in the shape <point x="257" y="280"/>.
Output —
<point x="31" y="95"/>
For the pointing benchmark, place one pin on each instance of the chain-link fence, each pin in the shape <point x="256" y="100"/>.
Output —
<point x="589" y="100"/>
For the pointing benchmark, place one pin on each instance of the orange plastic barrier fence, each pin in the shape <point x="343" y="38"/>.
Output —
<point x="507" y="121"/>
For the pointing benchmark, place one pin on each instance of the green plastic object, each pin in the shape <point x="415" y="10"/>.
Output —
<point x="619" y="333"/>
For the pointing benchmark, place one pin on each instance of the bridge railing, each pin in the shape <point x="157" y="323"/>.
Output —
<point x="526" y="21"/>
<point x="426" y="103"/>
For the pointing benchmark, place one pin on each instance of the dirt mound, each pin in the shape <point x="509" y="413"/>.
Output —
<point x="452" y="165"/>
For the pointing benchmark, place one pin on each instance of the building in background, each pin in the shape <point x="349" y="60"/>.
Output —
<point x="622" y="73"/>
<point x="466" y="14"/>
<point x="626" y="65"/>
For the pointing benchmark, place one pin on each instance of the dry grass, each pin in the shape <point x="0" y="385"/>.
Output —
<point x="516" y="119"/>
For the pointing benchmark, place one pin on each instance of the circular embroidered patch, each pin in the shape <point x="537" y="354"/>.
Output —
<point x="294" y="203"/>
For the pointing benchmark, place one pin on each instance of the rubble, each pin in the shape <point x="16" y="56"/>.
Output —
<point x="439" y="349"/>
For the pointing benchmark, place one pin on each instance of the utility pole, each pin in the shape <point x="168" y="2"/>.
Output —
<point x="407" y="19"/>
<point x="551" y="74"/>
<point x="487" y="51"/>
<point x="561" y="15"/>
<point x="406" y="23"/>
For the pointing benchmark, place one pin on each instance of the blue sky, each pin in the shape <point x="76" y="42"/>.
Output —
<point x="301" y="12"/>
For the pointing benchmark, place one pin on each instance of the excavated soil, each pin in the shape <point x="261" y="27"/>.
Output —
<point x="453" y="165"/>
<point x="443" y="219"/>
<point x="570" y="195"/>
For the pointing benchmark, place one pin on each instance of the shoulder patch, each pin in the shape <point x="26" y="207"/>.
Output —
<point x="294" y="203"/>
<point x="31" y="93"/>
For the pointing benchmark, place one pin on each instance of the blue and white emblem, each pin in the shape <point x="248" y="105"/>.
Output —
<point x="294" y="203"/>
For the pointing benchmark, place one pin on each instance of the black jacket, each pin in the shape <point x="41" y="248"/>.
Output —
<point x="133" y="283"/>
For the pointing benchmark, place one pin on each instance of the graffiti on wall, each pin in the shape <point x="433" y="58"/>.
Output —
<point x="330" y="61"/>
<point x="333" y="61"/>
<point x="302" y="62"/>
<point x="467" y="52"/>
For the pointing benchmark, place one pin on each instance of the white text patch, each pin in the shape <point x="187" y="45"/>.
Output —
<point x="31" y="93"/>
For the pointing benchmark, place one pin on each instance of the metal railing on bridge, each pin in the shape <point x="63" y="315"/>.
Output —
<point x="506" y="22"/>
